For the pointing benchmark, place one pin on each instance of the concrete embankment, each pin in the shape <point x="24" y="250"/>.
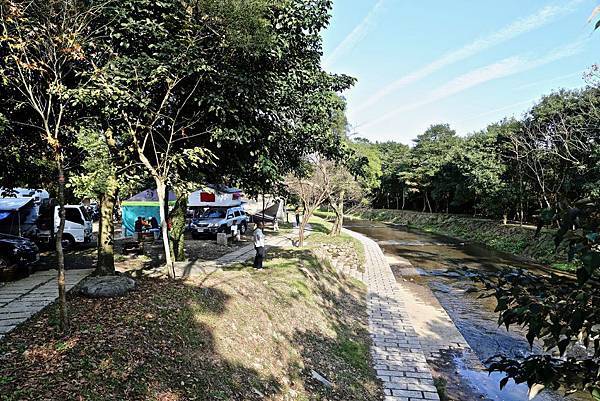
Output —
<point x="515" y="239"/>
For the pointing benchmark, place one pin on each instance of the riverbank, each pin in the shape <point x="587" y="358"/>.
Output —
<point x="457" y="330"/>
<point x="514" y="239"/>
<point x="295" y="331"/>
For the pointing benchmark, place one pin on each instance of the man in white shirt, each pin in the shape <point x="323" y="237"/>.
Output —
<point x="259" y="245"/>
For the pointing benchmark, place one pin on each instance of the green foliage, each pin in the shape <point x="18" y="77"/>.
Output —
<point x="40" y="70"/>
<point x="369" y="157"/>
<point x="98" y="167"/>
<point x="559" y="312"/>
<point x="238" y="85"/>
<point x="513" y="168"/>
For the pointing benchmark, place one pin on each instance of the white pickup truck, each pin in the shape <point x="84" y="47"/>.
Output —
<point x="78" y="226"/>
<point x="33" y="214"/>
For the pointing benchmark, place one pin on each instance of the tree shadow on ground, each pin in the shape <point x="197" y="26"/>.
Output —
<point x="342" y="358"/>
<point x="169" y="340"/>
<point x="319" y="227"/>
<point x="82" y="256"/>
<point x="148" y="345"/>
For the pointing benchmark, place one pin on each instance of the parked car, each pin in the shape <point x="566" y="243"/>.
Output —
<point x="78" y="224"/>
<point x="219" y="220"/>
<point x="17" y="252"/>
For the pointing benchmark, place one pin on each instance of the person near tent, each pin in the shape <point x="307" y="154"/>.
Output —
<point x="139" y="228"/>
<point x="154" y="228"/>
<point x="259" y="245"/>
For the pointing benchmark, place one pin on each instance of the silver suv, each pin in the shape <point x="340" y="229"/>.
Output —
<point x="219" y="220"/>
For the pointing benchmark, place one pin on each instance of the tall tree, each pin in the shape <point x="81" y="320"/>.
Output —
<point x="313" y="188"/>
<point x="101" y="179"/>
<point x="235" y="94"/>
<point x="433" y="150"/>
<point x="42" y="58"/>
<point x="345" y="188"/>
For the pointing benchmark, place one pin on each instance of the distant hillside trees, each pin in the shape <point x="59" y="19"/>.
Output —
<point x="512" y="169"/>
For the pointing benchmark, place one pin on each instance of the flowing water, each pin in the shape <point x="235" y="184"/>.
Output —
<point x="437" y="294"/>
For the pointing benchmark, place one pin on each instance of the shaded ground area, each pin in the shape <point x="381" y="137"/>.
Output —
<point x="83" y="256"/>
<point x="232" y="335"/>
<point x="24" y="298"/>
<point x="207" y="249"/>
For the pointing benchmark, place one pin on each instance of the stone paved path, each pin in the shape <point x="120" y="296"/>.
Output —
<point x="397" y="353"/>
<point x="22" y="299"/>
<point x="198" y="268"/>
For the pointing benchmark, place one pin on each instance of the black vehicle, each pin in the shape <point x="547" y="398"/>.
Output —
<point x="17" y="252"/>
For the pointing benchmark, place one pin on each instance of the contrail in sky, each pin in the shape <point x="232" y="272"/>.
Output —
<point x="513" y="105"/>
<point x="500" y="69"/>
<point x="510" y="106"/>
<point x="554" y="79"/>
<point x="354" y="37"/>
<point x="543" y="17"/>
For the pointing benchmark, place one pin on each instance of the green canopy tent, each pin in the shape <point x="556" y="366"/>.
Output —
<point x="145" y="205"/>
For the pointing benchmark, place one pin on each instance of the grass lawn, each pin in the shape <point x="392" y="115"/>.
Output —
<point x="232" y="335"/>
<point x="320" y="235"/>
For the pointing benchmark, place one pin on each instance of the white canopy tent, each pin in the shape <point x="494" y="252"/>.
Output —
<point x="213" y="197"/>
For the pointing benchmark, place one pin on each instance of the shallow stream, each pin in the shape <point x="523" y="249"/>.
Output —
<point x="441" y="295"/>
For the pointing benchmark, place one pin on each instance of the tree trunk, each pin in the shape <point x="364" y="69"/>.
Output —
<point x="177" y="217"/>
<point x="338" y="209"/>
<point x="403" y="199"/>
<point x="428" y="203"/>
<point x="163" y="201"/>
<point x="60" y="256"/>
<point x="303" y="223"/>
<point x="301" y="233"/>
<point x="99" y="243"/>
<point x="341" y="213"/>
<point x="106" y="233"/>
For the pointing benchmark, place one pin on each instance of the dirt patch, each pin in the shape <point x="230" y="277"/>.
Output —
<point x="152" y="256"/>
<point x="207" y="249"/>
<point x="232" y="335"/>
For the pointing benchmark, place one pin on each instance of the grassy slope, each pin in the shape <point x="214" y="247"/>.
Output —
<point x="234" y="335"/>
<point x="321" y="228"/>
<point x="511" y="239"/>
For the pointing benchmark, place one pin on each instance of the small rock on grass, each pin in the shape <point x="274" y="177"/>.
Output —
<point x="316" y="375"/>
<point x="106" y="286"/>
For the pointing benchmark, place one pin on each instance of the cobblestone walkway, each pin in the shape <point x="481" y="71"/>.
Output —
<point x="22" y="299"/>
<point x="197" y="268"/>
<point x="399" y="359"/>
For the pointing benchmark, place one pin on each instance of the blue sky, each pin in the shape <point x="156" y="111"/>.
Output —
<point x="463" y="62"/>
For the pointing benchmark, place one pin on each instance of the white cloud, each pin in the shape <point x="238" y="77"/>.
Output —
<point x="500" y="69"/>
<point x="519" y="27"/>
<point x="356" y="36"/>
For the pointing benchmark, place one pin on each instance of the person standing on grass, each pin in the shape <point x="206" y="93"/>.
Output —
<point x="259" y="245"/>
<point x="297" y="212"/>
